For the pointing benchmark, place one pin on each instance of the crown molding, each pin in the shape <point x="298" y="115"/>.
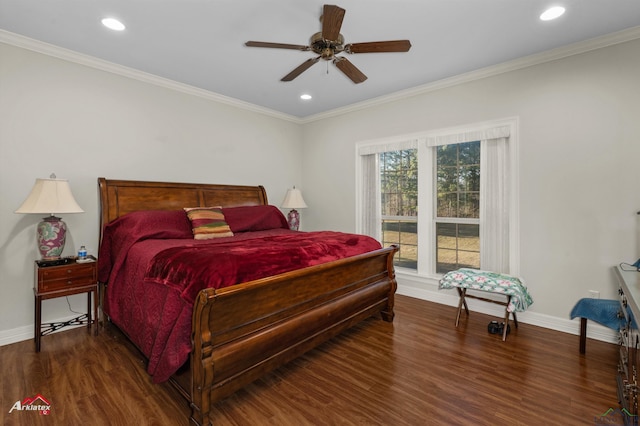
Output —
<point x="93" y="62"/>
<point x="516" y="64"/>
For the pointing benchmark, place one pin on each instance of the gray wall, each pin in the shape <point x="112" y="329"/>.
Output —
<point x="579" y="143"/>
<point x="83" y="123"/>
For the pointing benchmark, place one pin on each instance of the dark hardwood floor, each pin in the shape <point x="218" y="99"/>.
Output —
<point x="419" y="370"/>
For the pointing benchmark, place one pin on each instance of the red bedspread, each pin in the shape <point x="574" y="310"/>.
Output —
<point x="191" y="268"/>
<point x="153" y="282"/>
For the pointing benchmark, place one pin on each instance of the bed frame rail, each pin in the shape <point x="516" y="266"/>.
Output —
<point x="245" y="331"/>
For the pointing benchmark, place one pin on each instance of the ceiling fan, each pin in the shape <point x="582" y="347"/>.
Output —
<point x="329" y="43"/>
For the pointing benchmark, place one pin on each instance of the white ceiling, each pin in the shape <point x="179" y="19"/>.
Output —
<point x="201" y="42"/>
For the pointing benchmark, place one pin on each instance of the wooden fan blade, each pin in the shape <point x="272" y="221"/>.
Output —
<point x="300" y="69"/>
<point x="350" y="70"/>
<point x="332" y="17"/>
<point x="276" y="45"/>
<point x="379" y="46"/>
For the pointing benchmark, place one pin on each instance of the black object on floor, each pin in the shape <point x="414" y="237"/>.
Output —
<point x="496" y="327"/>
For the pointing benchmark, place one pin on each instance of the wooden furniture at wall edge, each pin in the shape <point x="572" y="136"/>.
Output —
<point x="65" y="280"/>
<point x="629" y="338"/>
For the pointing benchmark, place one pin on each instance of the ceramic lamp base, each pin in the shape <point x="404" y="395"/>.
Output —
<point x="52" y="233"/>
<point x="294" y="220"/>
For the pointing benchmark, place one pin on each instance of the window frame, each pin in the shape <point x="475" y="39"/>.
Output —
<point x="426" y="212"/>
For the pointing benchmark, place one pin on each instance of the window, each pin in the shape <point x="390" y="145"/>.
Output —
<point x="445" y="198"/>
<point x="457" y="246"/>
<point x="457" y="193"/>
<point x="399" y="204"/>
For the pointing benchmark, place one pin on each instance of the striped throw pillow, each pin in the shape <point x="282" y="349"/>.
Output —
<point x="208" y="222"/>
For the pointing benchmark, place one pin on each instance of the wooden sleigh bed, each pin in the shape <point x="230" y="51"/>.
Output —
<point x="241" y="332"/>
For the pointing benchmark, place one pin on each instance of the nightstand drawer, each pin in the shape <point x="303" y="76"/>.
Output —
<point x="67" y="276"/>
<point x="55" y="285"/>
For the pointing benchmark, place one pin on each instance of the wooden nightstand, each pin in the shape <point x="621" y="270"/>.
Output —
<point x="65" y="280"/>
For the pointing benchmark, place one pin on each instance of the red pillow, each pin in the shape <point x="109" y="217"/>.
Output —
<point x="254" y="218"/>
<point x="122" y="233"/>
<point x="165" y="224"/>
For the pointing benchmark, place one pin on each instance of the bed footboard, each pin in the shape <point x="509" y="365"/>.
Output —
<point x="244" y="331"/>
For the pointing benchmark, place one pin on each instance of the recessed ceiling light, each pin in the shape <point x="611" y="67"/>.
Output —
<point x="552" y="13"/>
<point x="305" y="97"/>
<point x="113" y="24"/>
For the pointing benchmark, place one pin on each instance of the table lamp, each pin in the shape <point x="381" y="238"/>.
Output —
<point x="293" y="200"/>
<point x="50" y="196"/>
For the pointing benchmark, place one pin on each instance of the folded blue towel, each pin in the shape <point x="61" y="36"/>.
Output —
<point x="602" y="311"/>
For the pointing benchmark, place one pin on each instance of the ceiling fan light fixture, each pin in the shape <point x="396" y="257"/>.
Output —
<point x="327" y="49"/>
<point x="113" y="24"/>
<point x="552" y="13"/>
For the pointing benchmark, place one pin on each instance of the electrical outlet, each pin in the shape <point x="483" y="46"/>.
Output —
<point x="594" y="294"/>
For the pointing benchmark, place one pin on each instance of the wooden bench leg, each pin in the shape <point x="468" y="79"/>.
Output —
<point x="583" y="335"/>
<point x="506" y="320"/>
<point x="461" y="303"/>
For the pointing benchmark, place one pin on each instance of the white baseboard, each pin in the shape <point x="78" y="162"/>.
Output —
<point x="565" y="325"/>
<point x="27" y="332"/>
<point x="15" y="335"/>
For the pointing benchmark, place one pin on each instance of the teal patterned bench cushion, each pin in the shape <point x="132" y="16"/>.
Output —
<point x="474" y="279"/>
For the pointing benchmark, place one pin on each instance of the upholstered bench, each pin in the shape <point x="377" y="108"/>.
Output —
<point x="518" y="298"/>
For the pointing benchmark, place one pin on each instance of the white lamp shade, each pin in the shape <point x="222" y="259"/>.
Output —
<point x="293" y="200"/>
<point x="50" y="196"/>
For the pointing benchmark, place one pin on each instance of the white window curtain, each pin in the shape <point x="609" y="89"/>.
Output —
<point x="371" y="199"/>
<point x="494" y="205"/>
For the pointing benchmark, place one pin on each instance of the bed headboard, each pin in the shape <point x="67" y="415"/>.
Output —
<point x="119" y="197"/>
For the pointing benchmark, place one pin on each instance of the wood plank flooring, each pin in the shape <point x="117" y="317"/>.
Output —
<point x="419" y="370"/>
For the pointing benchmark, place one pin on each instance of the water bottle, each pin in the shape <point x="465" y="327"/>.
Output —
<point x="82" y="253"/>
